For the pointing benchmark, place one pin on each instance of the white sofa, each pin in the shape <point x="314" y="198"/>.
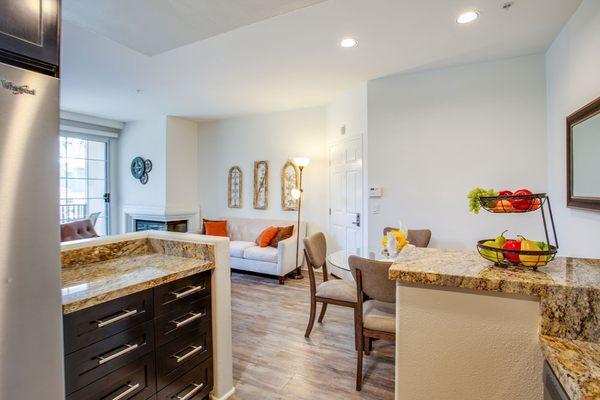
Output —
<point x="248" y="256"/>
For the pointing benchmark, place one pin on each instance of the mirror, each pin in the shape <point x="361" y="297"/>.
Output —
<point x="583" y="157"/>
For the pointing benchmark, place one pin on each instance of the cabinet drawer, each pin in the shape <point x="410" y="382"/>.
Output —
<point x="194" y="385"/>
<point x="93" y="362"/>
<point x="184" y="317"/>
<point x="180" y="355"/>
<point x="93" y="324"/>
<point x="135" y="381"/>
<point x="191" y="288"/>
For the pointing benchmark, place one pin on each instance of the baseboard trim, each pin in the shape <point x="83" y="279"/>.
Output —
<point x="225" y="396"/>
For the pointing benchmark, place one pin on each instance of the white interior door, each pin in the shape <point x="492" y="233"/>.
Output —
<point x="346" y="186"/>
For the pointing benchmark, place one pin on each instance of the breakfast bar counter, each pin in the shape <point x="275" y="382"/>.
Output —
<point x="130" y="298"/>
<point x="491" y="327"/>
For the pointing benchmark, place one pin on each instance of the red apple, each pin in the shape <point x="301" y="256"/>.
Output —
<point x="512" y="245"/>
<point x="522" y="204"/>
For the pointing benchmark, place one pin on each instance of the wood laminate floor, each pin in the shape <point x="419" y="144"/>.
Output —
<point x="273" y="360"/>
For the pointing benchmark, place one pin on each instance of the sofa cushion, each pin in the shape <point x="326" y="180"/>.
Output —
<point x="268" y="254"/>
<point x="379" y="316"/>
<point x="338" y="289"/>
<point x="237" y="247"/>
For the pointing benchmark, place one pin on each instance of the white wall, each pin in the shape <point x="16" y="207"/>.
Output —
<point x="171" y="143"/>
<point x="147" y="139"/>
<point x="435" y="135"/>
<point x="349" y="110"/>
<point x="182" y="165"/>
<point x="275" y="137"/>
<point x="573" y="80"/>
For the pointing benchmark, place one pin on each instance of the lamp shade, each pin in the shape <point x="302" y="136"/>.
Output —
<point x="301" y="161"/>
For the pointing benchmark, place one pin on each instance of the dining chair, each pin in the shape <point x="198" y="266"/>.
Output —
<point x="375" y="307"/>
<point x="417" y="237"/>
<point x="335" y="291"/>
<point x="94" y="217"/>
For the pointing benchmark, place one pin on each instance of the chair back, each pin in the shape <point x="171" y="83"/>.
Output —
<point x="374" y="277"/>
<point x="94" y="217"/>
<point x="417" y="237"/>
<point x="76" y="230"/>
<point x="316" y="250"/>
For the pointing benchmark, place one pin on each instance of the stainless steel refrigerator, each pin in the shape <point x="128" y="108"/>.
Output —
<point x="31" y="365"/>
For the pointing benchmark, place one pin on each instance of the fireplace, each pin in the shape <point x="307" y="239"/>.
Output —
<point x="171" y="226"/>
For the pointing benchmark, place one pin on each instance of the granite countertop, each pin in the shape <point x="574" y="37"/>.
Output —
<point x="467" y="269"/>
<point x="97" y="274"/>
<point x="576" y="365"/>
<point x="569" y="293"/>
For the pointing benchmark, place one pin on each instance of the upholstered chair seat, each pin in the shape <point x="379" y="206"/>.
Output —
<point x="337" y="290"/>
<point x="379" y="316"/>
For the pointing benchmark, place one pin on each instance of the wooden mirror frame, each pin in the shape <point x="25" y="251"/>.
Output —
<point x="284" y="193"/>
<point x="257" y="165"/>
<point x="230" y="203"/>
<point x="587" y="203"/>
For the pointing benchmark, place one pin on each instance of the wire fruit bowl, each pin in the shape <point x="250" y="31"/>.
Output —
<point x="512" y="203"/>
<point x="527" y="258"/>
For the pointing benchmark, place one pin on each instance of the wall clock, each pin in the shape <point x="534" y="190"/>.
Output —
<point x="140" y="169"/>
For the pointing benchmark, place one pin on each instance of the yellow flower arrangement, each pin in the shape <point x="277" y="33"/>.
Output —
<point x="400" y="239"/>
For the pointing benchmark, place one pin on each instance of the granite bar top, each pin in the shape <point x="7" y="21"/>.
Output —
<point x="576" y="365"/>
<point x="96" y="274"/>
<point x="569" y="293"/>
<point x="467" y="269"/>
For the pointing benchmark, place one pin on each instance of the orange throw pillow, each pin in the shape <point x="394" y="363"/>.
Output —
<point x="264" y="239"/>
<point x="215" y="228"/>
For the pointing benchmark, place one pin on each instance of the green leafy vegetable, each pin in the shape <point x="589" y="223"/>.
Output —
<point x="475" y="194"/>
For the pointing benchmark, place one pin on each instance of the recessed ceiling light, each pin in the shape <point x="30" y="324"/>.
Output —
<point x="348" y="42"/>
<point x="467" y="17"/>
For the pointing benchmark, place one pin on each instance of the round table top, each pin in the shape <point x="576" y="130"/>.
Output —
<point x="340" y="258"/>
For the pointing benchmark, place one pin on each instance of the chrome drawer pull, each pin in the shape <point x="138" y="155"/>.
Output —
<point x="195" y="349"/>
<point x="195" y="316"/>
<point x="192" y="392"/>
<point x="132" y="388"/>
<point x="127" y="349"/>
<point x="126" y="313"/>
<point x="191" y="290"/>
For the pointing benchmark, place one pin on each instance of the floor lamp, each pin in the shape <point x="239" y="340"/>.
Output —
<point x="299" y="162"/>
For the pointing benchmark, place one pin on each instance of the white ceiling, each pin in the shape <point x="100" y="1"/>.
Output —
<point x="155" y="26"/>
<point x="292" y="60"/>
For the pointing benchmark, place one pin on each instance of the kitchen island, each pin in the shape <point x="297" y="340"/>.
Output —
<point x="150" y="293"/>
<point x="467" y="329"/>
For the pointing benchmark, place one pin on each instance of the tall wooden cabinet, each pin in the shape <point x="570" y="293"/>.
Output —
<point x="30" y="34"/>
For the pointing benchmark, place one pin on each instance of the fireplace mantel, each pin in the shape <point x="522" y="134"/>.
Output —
<point x="133" y="213"/>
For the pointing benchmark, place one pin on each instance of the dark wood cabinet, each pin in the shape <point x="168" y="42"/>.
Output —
<point x="96" y="323"/>
<point x="155" y="342"/>
<point x="134" y="381"/>
<point x="30" y="34"/>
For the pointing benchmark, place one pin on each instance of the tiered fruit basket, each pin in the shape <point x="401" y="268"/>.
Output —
<point x="520" y="204"/>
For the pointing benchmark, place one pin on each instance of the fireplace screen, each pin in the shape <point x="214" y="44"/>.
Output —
<point x="171" y="226"/>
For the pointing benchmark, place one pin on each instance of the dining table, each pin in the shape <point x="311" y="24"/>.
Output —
<point x="338" y="262"/>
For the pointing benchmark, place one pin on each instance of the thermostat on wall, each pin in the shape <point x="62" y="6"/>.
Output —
<point x="375" y="191"/>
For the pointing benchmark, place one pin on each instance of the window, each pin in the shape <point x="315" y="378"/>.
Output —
<point x="84" y="181"/>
